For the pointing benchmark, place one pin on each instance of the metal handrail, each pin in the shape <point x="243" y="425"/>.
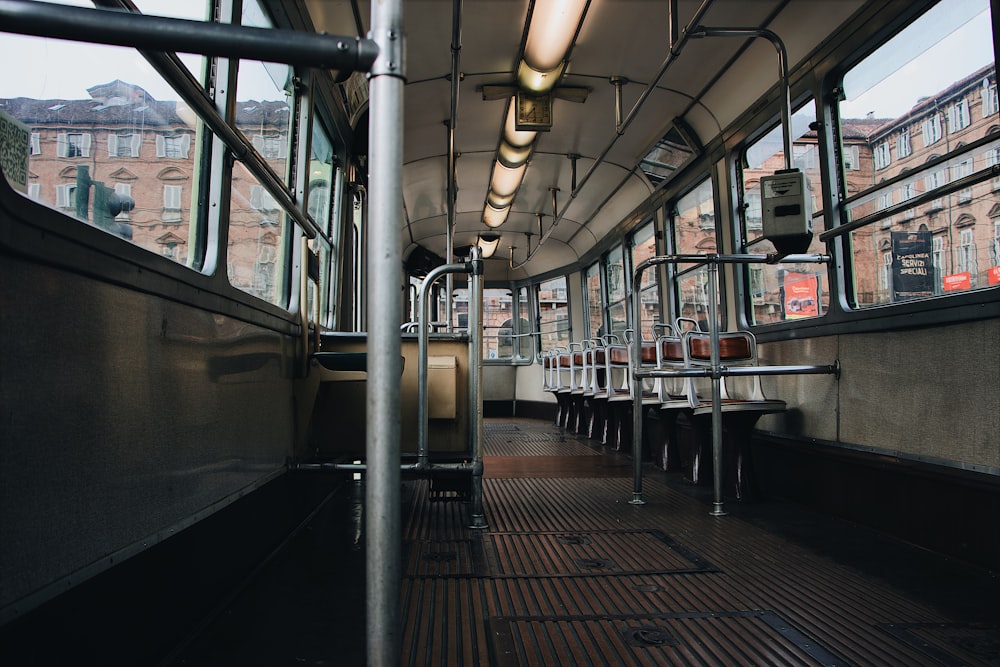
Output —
<point x="715" y="371"/>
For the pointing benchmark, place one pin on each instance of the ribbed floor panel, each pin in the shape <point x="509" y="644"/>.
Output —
<point x="570" y="573"/>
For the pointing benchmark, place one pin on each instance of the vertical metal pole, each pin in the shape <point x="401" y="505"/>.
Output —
<point x="713" y="328"/>
<point x="476" y="513"/>
<point x="449" y="284"/>
<point x="636" y="356"/>
<point x="456" y="48"/>
<point x="383" y="522"/>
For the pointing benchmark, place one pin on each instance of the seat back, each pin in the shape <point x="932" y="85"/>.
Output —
<point x="736" y="348"/>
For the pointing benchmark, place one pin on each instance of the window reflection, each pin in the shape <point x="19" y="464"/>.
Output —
<point x="112" y="145"/>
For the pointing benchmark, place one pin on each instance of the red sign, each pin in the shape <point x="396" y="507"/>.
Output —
<point x="957" y="281"/>
<point x="801" y="295"/>
<point x="993" y="275"/>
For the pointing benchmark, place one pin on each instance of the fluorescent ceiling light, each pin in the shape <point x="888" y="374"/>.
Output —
<point x="494" y="217"/>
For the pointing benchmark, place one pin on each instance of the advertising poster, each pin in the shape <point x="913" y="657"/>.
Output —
<point x="957" y="282"/>
<point x="912" y="266"/>
<point x="801" y="295"/>
<point x="993" y="275"/>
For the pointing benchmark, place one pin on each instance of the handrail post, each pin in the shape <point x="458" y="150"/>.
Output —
<point x="713" y="329"/>
<point x="476" y="514"/>
<point x="636" y="357"/>
<point x="383" y="524"/>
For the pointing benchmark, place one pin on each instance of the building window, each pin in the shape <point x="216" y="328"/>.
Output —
<point x="172" y="203"/>
<point x="73" y="145"/>
<point x="882" y="155"/>
<point x="123" y="190"/>
<point x="992" y="158"/>
<point x="175" y="146"/>
<point x="124" y="145"/>
<point x="958" y="116"/>
<point x="995" y="247"/>
<point x="271" y="146"/>
<point x="885" y="272"/>
<point x="932" y="129"/>
<point x="988" y="94"/>
<point x="907" y="192"/>
<point x="932" y="181"/>
<point x="937" y="257"/>
<point x="36" y="143"/>
<point x="967" y="254"/>
<point x="34" y="191"/>
<point x="903" y="148"/>
<point x="66" y="196"/>
<point x="884" y="201"/>
<point x="852" y="158"/>
<point x="261" y="199"/>
<point x="961" y="170"/>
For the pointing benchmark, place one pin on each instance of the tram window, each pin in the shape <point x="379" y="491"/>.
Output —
<point x="595" y="305"/>
<point x="777" y="293"/>
<point x="524" y="338"/>
<point x="111" y="144"/>
<point x="643" y="246"/>
<point x="502" y="326"/>
<point x="553" y="313"/>
<point x="926" y="103"/>
<point x="321" y="176"/>
<point x="259" y="240"/>
<point x="264" y="94"/>
<point x="694" y="233"/>
<point x="616" y="306"/>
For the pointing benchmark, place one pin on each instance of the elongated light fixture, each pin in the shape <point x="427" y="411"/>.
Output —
<point x="489" y="243"/>
<point x="554" y="24"/>
<point x="495" y="216"/>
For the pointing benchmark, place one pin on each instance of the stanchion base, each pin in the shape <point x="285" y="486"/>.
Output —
<point x="637" y="499"/>
<point x="717" y="510"/>
<point x="478" y="523"/>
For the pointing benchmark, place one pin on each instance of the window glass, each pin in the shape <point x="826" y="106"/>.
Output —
<point x="106" y="141"/>
<point x="258" y="240"/>
<point x="615" y="280"/>
<point x="264" y="94"/>
<point x="914" y="107"/>
<point x="783" y="292"/>
<point x="524" y="338"/>
<point x="194" y="10"/>
<point x="500" y="331"/>
<point x="694" y="234"/>
<point x="553" y="313"/>
<point x="643" y="245"/>
<point x="321" y="178"/>
<point x="595" y="305"/>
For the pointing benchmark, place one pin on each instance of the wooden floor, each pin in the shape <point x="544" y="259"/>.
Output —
<point x="568" y="572"/>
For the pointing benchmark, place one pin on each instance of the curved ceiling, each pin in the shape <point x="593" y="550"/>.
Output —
<point x="706" y="86"/>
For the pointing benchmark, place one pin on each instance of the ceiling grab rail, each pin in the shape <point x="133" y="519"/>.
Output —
<point x="715" y="371"/>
